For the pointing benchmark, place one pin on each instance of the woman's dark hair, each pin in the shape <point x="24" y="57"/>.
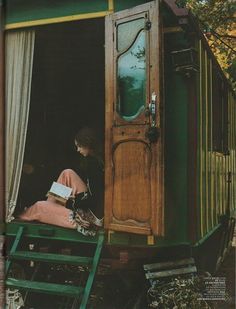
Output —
<point x="86" y="137"/>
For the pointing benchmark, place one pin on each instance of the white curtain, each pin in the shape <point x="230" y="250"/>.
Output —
<point x="19" y="63"/>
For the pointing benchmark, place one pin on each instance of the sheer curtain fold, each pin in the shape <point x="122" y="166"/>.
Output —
<point x="19" y="64"/>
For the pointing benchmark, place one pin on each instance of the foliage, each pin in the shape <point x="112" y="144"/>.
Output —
<point x="177" y="293"/>
<point x="218" y="21"/>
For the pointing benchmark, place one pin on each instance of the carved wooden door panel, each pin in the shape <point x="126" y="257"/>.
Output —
<point x="134" y="151"/>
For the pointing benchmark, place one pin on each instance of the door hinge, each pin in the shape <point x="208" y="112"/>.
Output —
<point x="148" y="25"/>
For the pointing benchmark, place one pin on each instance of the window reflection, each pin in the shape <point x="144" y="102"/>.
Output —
<point x="131" y="79"/>
<point x="127" y="32"/>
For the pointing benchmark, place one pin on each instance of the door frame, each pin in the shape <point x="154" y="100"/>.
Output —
<point x="157" y="184"/>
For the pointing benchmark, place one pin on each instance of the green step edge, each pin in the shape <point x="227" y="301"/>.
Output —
<point x="51" y="232"/>
<point x="44" y="287"/>
<point x="50" y="257"/>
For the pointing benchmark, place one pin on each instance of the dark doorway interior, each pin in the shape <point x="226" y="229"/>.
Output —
<point x="67" y="94"/>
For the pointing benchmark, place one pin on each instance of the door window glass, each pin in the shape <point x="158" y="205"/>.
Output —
<point x="131" y="79"/>
<point x="127" y="32"/>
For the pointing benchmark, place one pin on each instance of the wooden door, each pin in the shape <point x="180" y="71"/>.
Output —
<point x="134" y="138"/>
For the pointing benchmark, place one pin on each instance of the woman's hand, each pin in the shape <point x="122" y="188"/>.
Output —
<point x="70" y="203"/>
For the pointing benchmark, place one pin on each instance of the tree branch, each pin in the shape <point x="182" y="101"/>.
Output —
<point x="227" y="36"/>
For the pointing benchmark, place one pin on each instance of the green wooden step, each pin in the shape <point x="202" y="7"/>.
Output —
<point x="44" y="287"/>
<point x="50" y="257"/>
<point x="46" y="231"/>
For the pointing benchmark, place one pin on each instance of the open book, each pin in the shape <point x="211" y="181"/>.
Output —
<point x="60" y="192"/>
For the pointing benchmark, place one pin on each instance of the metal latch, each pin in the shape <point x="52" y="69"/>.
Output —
<point x="153" y="132"/>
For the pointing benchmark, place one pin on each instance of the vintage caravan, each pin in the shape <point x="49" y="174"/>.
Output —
<point x="142" y="75"/>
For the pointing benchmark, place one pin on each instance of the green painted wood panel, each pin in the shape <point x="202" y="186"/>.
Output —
<point x="126" y="4"/>
<point x="176" y="144"/>
<point x="27" y="10"/>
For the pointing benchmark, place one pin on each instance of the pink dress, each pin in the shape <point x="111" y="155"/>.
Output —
<point x="51" y="211"/>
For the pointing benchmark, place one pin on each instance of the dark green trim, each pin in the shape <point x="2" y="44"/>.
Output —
<point x="120" y="5"/>
<point x="39" y="231"/>
<point x="135" y="240"/>
<point x="28" y="10"/>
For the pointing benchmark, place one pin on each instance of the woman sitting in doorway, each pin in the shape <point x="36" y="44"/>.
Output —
<point x="84" y="205"/>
